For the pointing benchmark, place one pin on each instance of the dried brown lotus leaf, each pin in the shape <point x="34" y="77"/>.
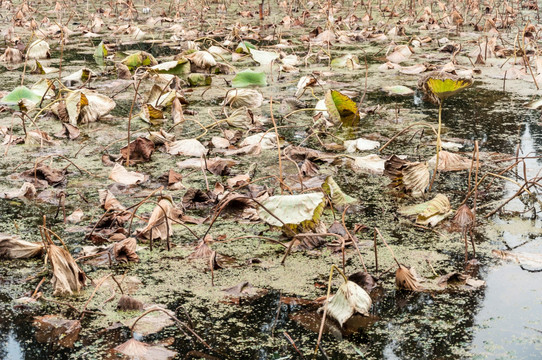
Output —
<point x="109" y="202"/>
<point x="464" y="217"/>
<point x="39" y="49"/>
<point x="121" y="175"/>
<point x="68" y="131"/>
<point x="161" y="137"/>
<point x="12" y="56"/>
<point x="51" y="176"/>
<point x="68" y="278"/>
<point x="123" y="72"/>
<point x="11" y="247"/>
<point x="27" y="191"/>
<point x="177" y="112"/>
<point x="75" y="216"/>
<point x="450" y="162"/>
<point x="404" y="279"/>
<point x="125" y="250"/>
<point x="153" y="322"/>
<point x="128" y="303"/>
<point x="416" y="178"/>
<point x="430" y="212"/>
<point x="56" y="330"/>
<point x="36" y="137"/>
<point x="203" y="251"/>
<point x="138" y="350"/>
<point x="141" y="150"/>
<point x="241" y="118"/>
<point x="202" y="59"/>
<point x="160" y="221"/>
<point x="187" y="147"/>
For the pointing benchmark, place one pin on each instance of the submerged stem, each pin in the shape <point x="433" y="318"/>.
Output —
<point x="438" y="143"/>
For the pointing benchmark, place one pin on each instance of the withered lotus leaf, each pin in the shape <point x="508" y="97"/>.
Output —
<point x="350" y="298"/>
<point x="141" y="150"/>
<point x="68" y="278"/>
<point x="57" y="331"/>
<point x="160" y="221"/>
<point x="128" y="303"/>
<point x="11" y="247"/>
<point x="405" y="279"/>
<point x="138" y="350"/>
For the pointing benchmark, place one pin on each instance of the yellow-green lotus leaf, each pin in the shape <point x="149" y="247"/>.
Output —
<point x="341" y="108"/>
<point x="444" y="88"/>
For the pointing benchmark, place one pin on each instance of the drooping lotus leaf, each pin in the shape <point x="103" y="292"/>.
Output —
<point x="177" y="67"/>
<point x="42" y="70"/>
<point x="85" y="106"/>
<point x="406" y="279"/>
<point x="350" y="298"/>
<point x="81" y="75"/>
<point x="100" y="51"/>
<point x="152" y="115"/>
<point x="43" y="87"/>
<point x="341" y="108"/>
<point x="348" y="61"/>
<point x="138" y="350"/>
<point x="39" y="49"/>
<point x="161" y="99"/>
<point x="11" y="247"/>
<point x="430" y="212"/>
<point x="293" y="210"/>
<point x="74" y="103"/>
<point x="140" y="58"/>
<point x="450" y="162"/>
<point x="243" y="97"/>
<point x="202" y="60"/>
<point x="338" y="197"/>
<point x="249" y="78"/>
<point x="244" y="47"/>
<point x="444" y="88"/>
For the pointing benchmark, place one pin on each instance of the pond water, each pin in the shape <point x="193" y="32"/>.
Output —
<point x="502" y="321"/>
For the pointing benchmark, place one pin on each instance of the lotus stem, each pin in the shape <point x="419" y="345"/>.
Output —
<point x="438" y="143"/>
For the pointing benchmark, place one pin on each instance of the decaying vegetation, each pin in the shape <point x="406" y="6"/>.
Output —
<point x="168" y="166"/>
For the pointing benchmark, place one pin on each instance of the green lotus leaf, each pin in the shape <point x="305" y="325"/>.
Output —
<point x="249" y="78"/>
<point x="19" y="94"/>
